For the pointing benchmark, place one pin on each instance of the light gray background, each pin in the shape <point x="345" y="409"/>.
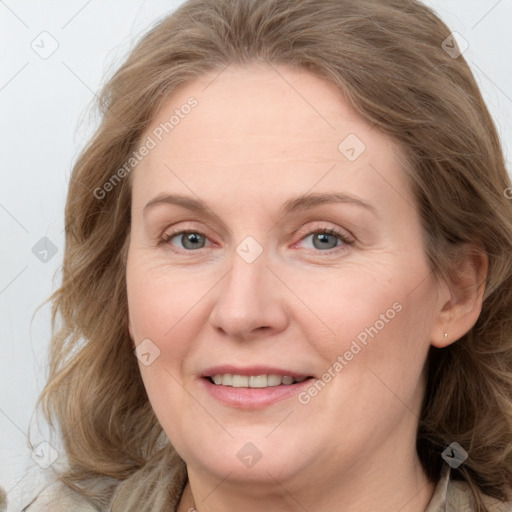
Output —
<point x="43" y="102"/>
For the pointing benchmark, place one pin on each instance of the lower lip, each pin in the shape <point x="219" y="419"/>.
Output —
<point x="253" y="398"/>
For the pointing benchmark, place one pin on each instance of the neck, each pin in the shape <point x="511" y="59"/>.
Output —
<point x="386" y="491"/>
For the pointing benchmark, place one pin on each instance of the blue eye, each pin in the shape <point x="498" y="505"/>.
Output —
<point x="323" y="240"/>
<point x="327" y="239"/>
<point x="190" y="240"/>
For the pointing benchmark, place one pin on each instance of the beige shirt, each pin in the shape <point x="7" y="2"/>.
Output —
<point x="449" y="496"/>
<point x="456" y="496"/>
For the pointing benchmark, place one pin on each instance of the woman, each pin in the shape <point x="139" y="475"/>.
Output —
<point x="287" y="281"/>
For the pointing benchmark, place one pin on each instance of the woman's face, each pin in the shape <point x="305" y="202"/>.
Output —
<point x="305" y="258"/>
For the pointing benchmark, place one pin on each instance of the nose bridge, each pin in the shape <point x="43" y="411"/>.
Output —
<point x="248" y="268"/>
<point x="248" y="299"/>
<point x="242" y="283"/>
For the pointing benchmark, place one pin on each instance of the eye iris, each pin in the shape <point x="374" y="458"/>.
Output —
<point x="324" y="238"/>
<point x="191" y="238"/>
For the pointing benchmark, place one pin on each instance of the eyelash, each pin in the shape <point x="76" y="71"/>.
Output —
<point x="167" y="237"/>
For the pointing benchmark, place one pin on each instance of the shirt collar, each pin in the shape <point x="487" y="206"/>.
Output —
<point x="438" y="500"/>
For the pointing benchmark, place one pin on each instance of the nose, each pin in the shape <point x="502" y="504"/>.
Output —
<point x="250" y="301"/>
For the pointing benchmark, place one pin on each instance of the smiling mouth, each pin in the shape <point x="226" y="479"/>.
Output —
<point x="254" y="381"/>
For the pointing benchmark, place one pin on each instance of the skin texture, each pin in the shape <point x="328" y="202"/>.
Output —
<point x="258" y="137"/>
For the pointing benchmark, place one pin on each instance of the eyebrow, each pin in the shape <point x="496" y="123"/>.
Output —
<point x="300" y="203"/>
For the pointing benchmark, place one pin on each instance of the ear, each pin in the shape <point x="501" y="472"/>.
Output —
<point x="461" y="297"/>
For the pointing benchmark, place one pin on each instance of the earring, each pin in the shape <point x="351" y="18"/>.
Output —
<point x="445" y="335"/>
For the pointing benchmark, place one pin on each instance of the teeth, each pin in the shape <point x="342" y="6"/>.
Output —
<point x="240" y="381"/>
<point x="254" y="381"/>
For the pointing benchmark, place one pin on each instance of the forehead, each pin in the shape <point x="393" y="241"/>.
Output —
<point x="278" y="124"/>
<point x="277" y="106"/>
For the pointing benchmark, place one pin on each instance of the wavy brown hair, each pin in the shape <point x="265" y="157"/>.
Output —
<point x="388" y="61"/>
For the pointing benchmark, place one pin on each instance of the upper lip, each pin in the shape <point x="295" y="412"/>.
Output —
<point x="251" y="370"/>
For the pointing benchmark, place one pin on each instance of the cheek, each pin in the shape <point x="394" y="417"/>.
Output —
<point x="373" y="364"/>
<point x="161" y="309"/>
<point x="343" y="303"/>
<point x="162" y="303"/>
<point x="370" y="322"/>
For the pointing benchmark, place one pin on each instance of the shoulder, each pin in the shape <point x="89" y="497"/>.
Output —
<point x="456" y="496"/>
<point x="459" y="497"/>
<point x="56" y="497"/>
